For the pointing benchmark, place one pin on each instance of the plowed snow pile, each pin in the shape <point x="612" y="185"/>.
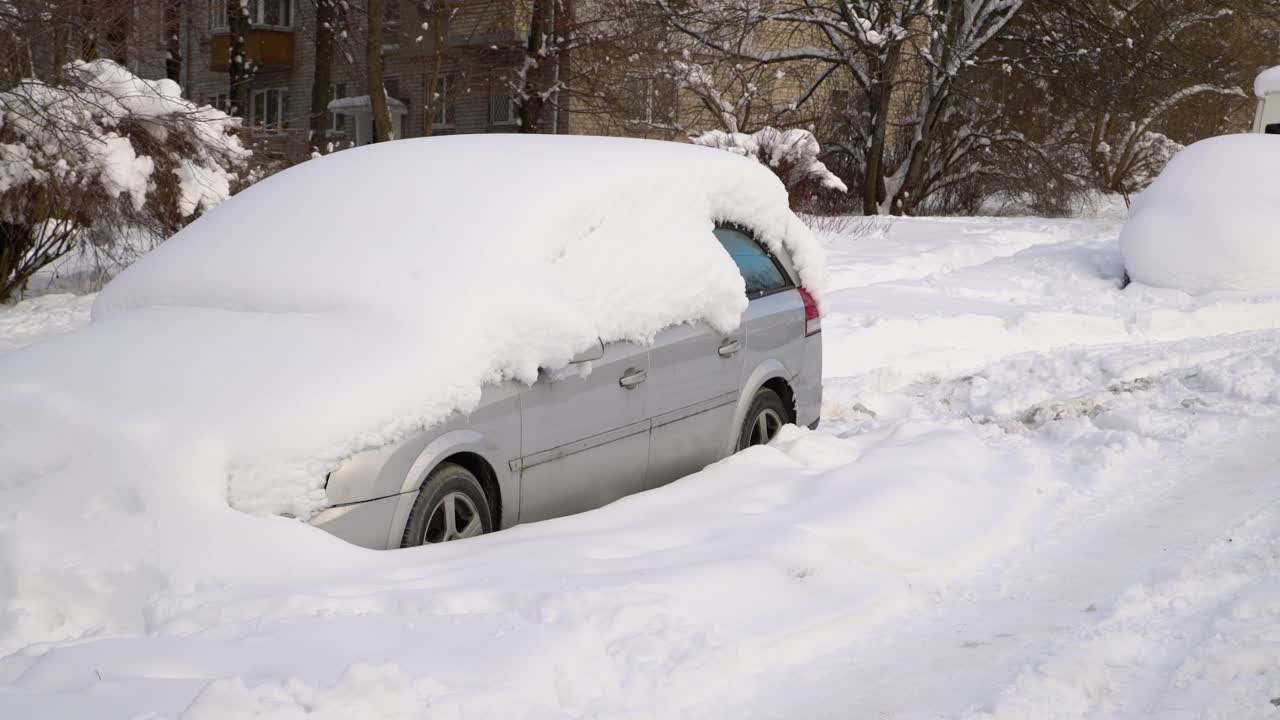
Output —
<point x="328" y="309"/>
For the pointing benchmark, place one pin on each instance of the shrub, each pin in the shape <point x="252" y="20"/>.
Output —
<point x="103" y="155"/>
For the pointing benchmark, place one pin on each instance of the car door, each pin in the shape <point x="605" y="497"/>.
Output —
<point x="693" y="387"/>
<point x="775" y="315"/>
<point x="584" y="434"/>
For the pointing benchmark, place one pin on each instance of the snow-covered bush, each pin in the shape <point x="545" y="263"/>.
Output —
<point x="104" y="153"/>
<point x="1211" y="221"/>
<point x="791" y="154"/>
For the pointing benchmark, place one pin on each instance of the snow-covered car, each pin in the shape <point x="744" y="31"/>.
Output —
<point x="1209" y="222"/>
<point x="430" y="339"/>
<point x="643" y="416"/>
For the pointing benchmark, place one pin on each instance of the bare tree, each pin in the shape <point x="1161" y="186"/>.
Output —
<point x="239" y="66"/>
<point x="326" y="36"/>
<point x="373" y="71"/>
<point x="566" y="51"/>
<point x="896" y="61"/>
<point x="1121" y="86"/>
<point x="172" y="19"/>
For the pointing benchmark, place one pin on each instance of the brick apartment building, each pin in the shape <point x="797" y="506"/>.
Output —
<point x="447" y="69"/>
<point x="439" y="80"/>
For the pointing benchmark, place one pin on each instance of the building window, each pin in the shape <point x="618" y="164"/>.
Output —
<point x="265" y="13"/>
<point x="391" y="86"/>
<point x="391" y="18"/>
<point x="217" y="15"/>
<point x="272" y="13"/>
<point x="648" y="100"/>
<point x="336" y="91"/>
<point x="502" y="109"/>
<point x="441" y="105"/>
<point x="218" y="101"/>
<point x="269" y="109"/>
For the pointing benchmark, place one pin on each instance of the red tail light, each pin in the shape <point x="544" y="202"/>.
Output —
<point x="812" y="318"/>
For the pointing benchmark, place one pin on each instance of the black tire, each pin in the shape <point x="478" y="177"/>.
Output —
<point x="448" y="487"/>
<point x="754" y="430"/>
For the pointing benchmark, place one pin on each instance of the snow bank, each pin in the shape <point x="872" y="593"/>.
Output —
<point x="644" y="608"/>
<point x="1268" y="82"/>
<point x="331" y="308"/>
<point x="1211" y="221"/>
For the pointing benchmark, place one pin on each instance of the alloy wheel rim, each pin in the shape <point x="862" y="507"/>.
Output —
<point x="765" y="427"/>
<point x="454" y="517"/>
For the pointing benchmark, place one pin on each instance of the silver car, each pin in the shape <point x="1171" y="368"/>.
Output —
<point x="641" y="417"/>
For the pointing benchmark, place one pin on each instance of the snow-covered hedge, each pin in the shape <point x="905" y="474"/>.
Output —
<point x="1211" y="221"/>
<point x="102" y="152"/>
<point x="791" y="154"/>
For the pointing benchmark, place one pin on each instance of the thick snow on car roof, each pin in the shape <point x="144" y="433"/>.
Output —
<point x="1268" y="82"/>
<point x="390" y="226"/>
<point x="331" y="308"/>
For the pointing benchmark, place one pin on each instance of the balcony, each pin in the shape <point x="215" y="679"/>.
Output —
<point x="270" y="49"/>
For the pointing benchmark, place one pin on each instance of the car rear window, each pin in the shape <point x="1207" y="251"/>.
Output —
<point x="760" y="271"/>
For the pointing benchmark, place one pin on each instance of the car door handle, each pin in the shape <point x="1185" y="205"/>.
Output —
<point x="633" y="378"/>
<point x="729" y="348"/>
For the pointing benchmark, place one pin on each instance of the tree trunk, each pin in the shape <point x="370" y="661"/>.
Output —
<point x="373" y="63"/>
<point x="873" y="188"/>
<point x="237" y="62"/>
<point x="437" y="18"/>
<point x="531" y="100"/>
<point x="173" y="40"/>
<point x="880" y="102"/>
<point x="88" y="30"/>
<point x="318" y="125"/>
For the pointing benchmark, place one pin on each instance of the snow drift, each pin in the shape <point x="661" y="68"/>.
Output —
<point x="332" y="308"/>
<point x="1211" y="221"/>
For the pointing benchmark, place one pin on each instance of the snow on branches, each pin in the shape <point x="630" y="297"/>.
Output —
<point x="791" y="154"/>
<point x="100" y="154"/>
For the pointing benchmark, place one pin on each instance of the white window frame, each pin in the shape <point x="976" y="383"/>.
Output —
<point x="512" y="117"/>
<point x="218" y="22"/>
<point x="258" y="14"/>
<point x="218" y="16"/>
<point x="282" y="109"/>
<point x="336" y="91"/>
<point x="440" y="115"/>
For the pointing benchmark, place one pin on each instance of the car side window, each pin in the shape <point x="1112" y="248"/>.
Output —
<point x="761" y="272"/>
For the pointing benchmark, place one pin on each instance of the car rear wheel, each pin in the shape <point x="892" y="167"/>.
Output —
<point x="451" y="505"/>
<point x="766" y="415"/>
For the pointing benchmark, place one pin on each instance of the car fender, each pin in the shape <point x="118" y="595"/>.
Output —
<point x="451" y="443"/>
<point x="762" y="373"/>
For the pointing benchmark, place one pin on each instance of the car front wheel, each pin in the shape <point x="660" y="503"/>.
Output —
<point x="451" y="505"/>
<point x="766" y="415"/>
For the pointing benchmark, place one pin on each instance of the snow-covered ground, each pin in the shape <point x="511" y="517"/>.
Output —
<point x="1034" y="495"/>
